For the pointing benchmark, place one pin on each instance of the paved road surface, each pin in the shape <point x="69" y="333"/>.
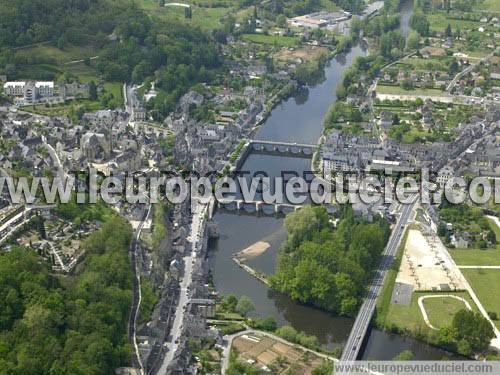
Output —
<point x="358" y="332"/>
<point x="196" y="234"/>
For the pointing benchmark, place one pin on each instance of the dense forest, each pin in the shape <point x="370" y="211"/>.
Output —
<point x="130" y="46"/>
<point x="325" y="266"/>
<point x="24" y="22"/>
<point x="74" y="325"/>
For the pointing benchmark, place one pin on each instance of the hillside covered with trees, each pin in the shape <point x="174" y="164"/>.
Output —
<point x="129" y="46"/>
<point x="67" y="325"/>
<point x="325" y="266"/>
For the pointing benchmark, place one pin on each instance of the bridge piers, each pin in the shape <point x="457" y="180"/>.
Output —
<point x="258" y="206"/>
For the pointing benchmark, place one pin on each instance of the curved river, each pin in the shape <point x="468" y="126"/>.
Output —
<point x="299" y="119"/>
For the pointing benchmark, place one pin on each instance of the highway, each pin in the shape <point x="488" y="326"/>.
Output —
<point x="360" y="327"/>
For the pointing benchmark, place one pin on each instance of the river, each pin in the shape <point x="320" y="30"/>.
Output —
<point x="298" y="119"/>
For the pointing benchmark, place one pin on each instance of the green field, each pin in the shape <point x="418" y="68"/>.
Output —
<point x="439" y="22"/>
<point x="206" y="18"/>
<point x="486" y="284"/>
<point x="49" y="52"/>
<point x="277" y="40"/>
<point x="441" y="310"/>
<point x="490" y="5"/>
<point x="479" y="257"/>
<point x="420" y="64"/>
<point x="397" y="90"/>
<point x="384" y="300"/>
<point x="410" y="317"/>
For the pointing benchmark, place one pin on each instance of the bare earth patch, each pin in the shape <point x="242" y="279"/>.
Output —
<point x="425" y="267"/>
<point x="305" y="53"/>
<point x="253" y="251"/>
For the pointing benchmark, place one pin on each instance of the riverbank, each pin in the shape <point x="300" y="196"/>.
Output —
<point x="294" y="120"/>
<point x="423" y="315"/>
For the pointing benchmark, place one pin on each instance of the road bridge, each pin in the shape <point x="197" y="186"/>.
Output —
<point x="240" y="204"/>
<point x="365" y="314"/>
<point x="299" y="149"/>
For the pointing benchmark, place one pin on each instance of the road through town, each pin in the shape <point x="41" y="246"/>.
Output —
<point x="360" y="327"/>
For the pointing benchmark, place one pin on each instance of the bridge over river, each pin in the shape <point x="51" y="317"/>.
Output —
<point x="365" y="314"/>
<point x="280" y="148"/>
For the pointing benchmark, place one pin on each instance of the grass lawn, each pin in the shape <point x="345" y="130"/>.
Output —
<point x="439" y="21"/>
<point x="397" y="90"/>
<point x="384" y="300"/>
<point x="421" y="64"/>
<point x="204" y="17"/>
<point x="479" y="257"/>
<point x="70" y="53"/>
<point x="284" y="41"/>
<point x="228" y="316"/>
<point x="410" y="317"/>
<point x="490" y="5"/>
<point x="40" y="71"/>
<point x="441" y="310"/>
<point x="486" y="284"/>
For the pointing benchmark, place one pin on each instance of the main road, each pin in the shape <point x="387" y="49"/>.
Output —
<point x="360" y="327"/>
<point x="196" y="239"/>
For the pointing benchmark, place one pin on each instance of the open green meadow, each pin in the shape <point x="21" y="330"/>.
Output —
<point x="486" y="284"/>
<point x="398" y="90"/>
<point x="440" y="311"/>
<point x="277" y="40"/>
<point x="205" y="15"/>
<point x="490" y="6"/>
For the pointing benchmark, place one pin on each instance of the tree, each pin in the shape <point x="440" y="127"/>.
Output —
<point x="326" y="368"/>
<point x="405" y="355"/>
<point x="464" y="347"/>
<point x="92" y="90"/>
<point x="407" y="84"/>
<point x="442" y="230"/>
<point x="229" y="303"/>
<point x="447" y="32"/>
<point x="420" y="23"/>
<point x="287" y="333"/>
<point x="281" y="21"/>
<point x="453" y="68"/>
<point x="491" y="237"/>
<point x="265" y="324"/>
<point x="325" y="267"/>
<point x="228" y="24"/>
<point x="244" y="306"/>
<point x="61" y="328"/>
<point x="413" y="41"/>
<point x="472" y="331"/>
<point x="61" y="42"/>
